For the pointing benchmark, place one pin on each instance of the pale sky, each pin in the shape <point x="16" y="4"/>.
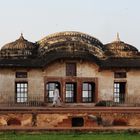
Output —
<point x="99" y="18"/>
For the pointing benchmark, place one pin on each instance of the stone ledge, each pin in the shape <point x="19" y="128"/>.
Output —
<point x="76" y="129"/>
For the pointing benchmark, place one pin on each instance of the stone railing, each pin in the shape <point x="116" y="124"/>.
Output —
<point x="7" y="100"/>
<point x="35" y="100"/>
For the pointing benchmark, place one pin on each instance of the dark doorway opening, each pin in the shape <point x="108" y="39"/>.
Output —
<point x="77" y="122"/>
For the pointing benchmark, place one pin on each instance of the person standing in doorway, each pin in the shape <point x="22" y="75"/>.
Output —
<point x="56" y="97"/>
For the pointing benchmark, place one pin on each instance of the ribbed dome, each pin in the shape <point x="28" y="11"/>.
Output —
<point x="20" y="47"/>
<point x="71" y="41"/>
<point x="120" y="48"/>
<point x="20" y="43"/>
<point x="70" y="36"/>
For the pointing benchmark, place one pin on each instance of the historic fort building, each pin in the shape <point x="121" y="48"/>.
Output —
<point x="85" y="70"/>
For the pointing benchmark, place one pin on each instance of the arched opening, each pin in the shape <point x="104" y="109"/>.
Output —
<point x="13" y="121"/>
<point x="120" y="122"/>
<point x="50" y="86"/>
<point x="77" y="122"/>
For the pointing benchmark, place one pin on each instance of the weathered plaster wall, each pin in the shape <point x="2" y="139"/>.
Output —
<point x="55" y="69"/>
<point x="52" y="120"/>
<point x="35" y="85"/>
<point x="105" y="85"/>
<point x="24" y="119"/>
<point x="133" y="86"/>
<point x="58" y="69"/>
<point x="87" y="69"/>
<point x="84" y="69"/>
<point x="7" y="85"/>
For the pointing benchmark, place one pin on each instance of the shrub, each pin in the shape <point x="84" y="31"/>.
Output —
<point x="104" y="103"/>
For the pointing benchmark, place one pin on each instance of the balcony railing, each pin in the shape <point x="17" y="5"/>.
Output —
<point x="36" y="101"/>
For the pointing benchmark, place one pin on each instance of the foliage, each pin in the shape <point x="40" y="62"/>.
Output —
<point x="104" y="103"/>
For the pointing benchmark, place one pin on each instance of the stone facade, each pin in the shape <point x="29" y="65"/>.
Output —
<point x="65" y="118"/>
<point x="96" y="71"/>
<point x="37" y="78"/>
<point x="7" y="85"/>
<point x="87" y="73"/>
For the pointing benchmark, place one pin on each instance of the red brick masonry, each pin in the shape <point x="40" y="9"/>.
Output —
<point x="61" y="119"/>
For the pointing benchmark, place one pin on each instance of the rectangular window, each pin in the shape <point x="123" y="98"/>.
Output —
<point x="119" y="92"/>
<point x="70" y="93"/>
<point x="21" y="92"/>
<point x="87" y="92"/>
<point x="120" y="75"/>
<point x="71" y="69"/>
<point x="21" y="74"/>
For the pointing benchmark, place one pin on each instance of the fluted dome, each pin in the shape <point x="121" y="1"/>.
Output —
<point x="119" y="48"/>
<point x="71" y="41"/>
<point x="21" y="48"/>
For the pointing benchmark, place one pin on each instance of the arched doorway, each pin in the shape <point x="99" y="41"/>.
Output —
<point x="50" y="86"/>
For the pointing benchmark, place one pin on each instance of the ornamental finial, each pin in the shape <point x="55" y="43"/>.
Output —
<point x="21" y="36"/>
<point x="118" y="37"/>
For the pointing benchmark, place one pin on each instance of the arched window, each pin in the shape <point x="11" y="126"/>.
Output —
<point x="88" y="92"/>
<point x="50" y="86"/>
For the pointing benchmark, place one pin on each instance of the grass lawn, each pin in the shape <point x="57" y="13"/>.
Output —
<point x="69" y="136"/>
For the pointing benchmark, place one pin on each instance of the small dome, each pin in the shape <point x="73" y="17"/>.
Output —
<point x="121" y="49"/>
<point x="20" y="47"/>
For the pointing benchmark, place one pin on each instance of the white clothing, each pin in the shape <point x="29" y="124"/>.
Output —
<point x="56" y="97"/>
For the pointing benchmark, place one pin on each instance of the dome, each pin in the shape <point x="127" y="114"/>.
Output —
<point x="21" y="48"/>
<point x="121" y="49"/>
<point x="70" y="36"/>
<point x="71" y="41"/>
